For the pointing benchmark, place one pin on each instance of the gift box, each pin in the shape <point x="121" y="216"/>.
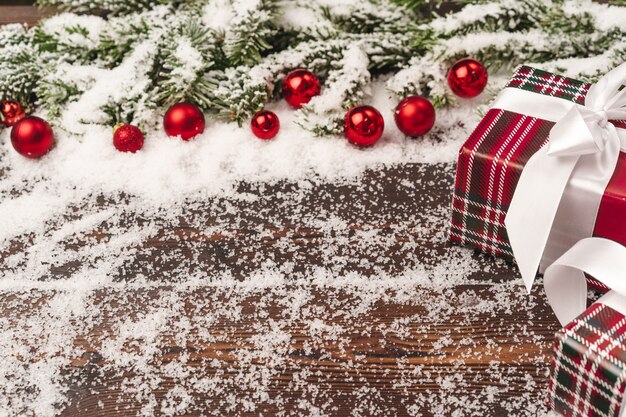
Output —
<point x="492" y="159"/>
<point x="588" y="375"/>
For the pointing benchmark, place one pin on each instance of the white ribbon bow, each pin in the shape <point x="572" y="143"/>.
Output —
<point x="583" y="151"/>
<point x="566" y="285"/>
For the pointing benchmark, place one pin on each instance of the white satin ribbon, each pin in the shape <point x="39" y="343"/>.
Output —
<point x="566" y="285"/>
<point x="582" y="154"/>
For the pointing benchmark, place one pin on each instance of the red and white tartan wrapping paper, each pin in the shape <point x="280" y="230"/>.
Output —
<point x="588" y="376"/>
<point x="492" y="159"/>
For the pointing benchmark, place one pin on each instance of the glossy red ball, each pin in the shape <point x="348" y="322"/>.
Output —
<point x="363" y="125"/>
<point x="184" y="120"/>
<point x="265" y="125"/>
<point x="32" y="137"/>
<point x="415" y="116"/>
<point x="128" y="138"/>
<point x="12" y="112"/>
<point x="299" y="87"/>
<point x="467" y="78"/>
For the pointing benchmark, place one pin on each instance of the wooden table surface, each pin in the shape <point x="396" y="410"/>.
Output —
<point x="20" y="14"/>
<point x="367" y="361"/>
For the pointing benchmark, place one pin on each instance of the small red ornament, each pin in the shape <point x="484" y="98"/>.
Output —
<point x="12" y="112"/>
<point x="184" y="120"/>
<point x="32" y="137"/>
<point x="363" y="125"/>
<point x="415" y="116"/>
<point x="299" y="87"/>
<point x="128" y="138"/>
<point x="265" y="125"/>
<point x="467" y="78"/>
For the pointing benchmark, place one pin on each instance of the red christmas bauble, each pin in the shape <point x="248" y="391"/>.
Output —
<point x="265" y="125"/>
<point x="12" y="112"/>
<point x="128" y="138"/>
<point x="467" y="78"/>
<point x="184" y="120"/>
<point x="299" y="87"/>
<point x="32" y="137"/>
<point x="363" y="125"/>
<point x="415" y="116"/>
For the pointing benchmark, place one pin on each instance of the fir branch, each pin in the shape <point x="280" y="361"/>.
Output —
<point x="590" y="68"/>
<point x="247" y="39"/>
<point x="492" y="16"/>
<point x="20" y="69"/>
<point x="122" y="33"/>
<point x="494" y="50"/>
<point x="20" y="64"/>
<point x="54" y="94"/>
<point x="238" y="95"/>
<point x="148" y="54"/>
<point x="242" y="91"/>
<point x="560" y="20"/>
<point x="14" y="34"/>
<point x="345" y="87"/>
<point x="559" y="33"/>
<point x="63" y="85"/>
<point x="348" y="84"/>
<point x="71" y="37"/>
<point x="369" y="17"/>
<point x="186" y="55"/>
<point x="124" y="94"/>
<point x="303" y="21"/>
<point x="393" y="51"/>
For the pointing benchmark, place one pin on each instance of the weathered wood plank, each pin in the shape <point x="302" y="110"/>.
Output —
<point x="21" y="14"/>
<point x="356" y="355"/>
<point x="269" y="351"/>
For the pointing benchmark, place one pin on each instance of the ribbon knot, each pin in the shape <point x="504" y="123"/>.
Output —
<point x="581" y="131"/>
<point x="604" y="119"/>
<point x="584" y="148"/>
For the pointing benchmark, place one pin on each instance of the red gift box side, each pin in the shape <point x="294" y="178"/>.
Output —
<point x="489" y="166"/>
<point x="588" y="369"/>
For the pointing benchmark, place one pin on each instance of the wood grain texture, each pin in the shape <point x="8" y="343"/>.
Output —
<point x="475" y="340"/>
<point x="363" y="354"/>
<point x="28" y="15"/>
<point x="370" y="359"/>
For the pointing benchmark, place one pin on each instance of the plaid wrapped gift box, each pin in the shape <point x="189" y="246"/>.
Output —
<point x="589" y="365"/>
<point x="492" y="159"/>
